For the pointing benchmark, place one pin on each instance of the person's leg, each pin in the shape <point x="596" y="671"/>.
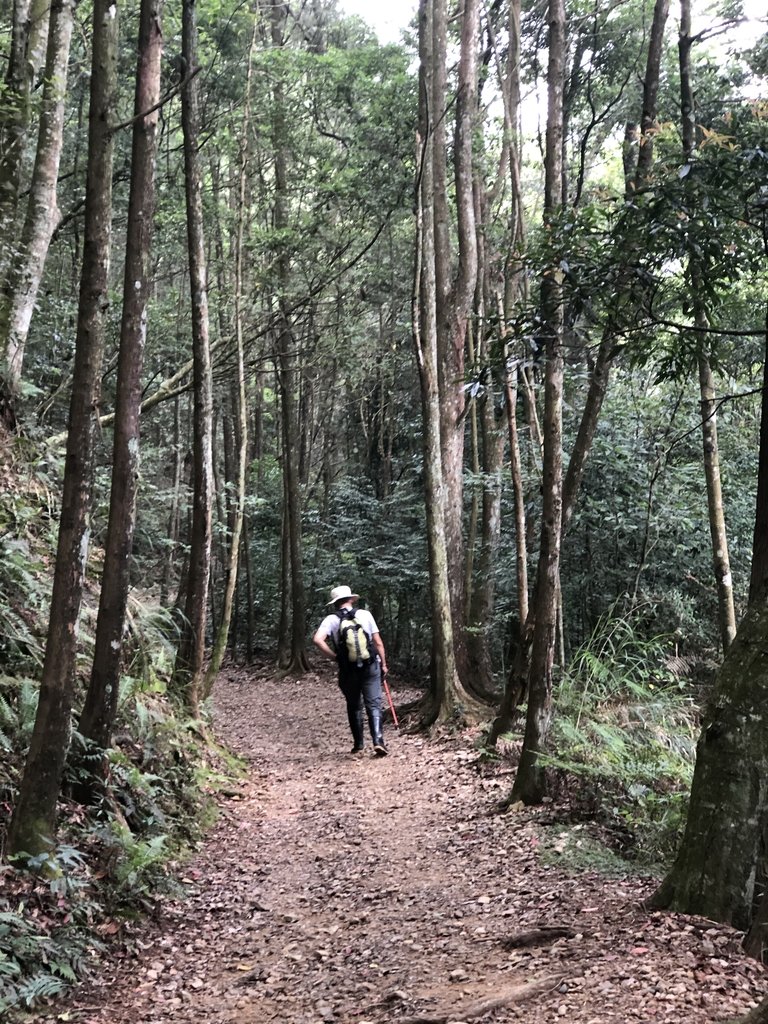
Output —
<point x="352" y="691"/>
<point x="372" y="698"/>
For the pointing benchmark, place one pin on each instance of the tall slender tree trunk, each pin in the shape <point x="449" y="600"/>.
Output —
<point x="34" y="819"/>
<point x="288" y="382"/>
<point x="443" y="307"/>
<point x="100" y="707"/>
<point x="455" y="292"/>
<point x="446" y="688"/>
<point x="722" y="853"/>
<point x="174" y="515"/>
<point x="241" y="431"/>
<point x="17" y="300"/>
<point x="530" y="783"/>
<point x="29" y="34"/>
<point x="481" y="596"/>
<point x="188" y="670"/>
<point x="708" y="405"/>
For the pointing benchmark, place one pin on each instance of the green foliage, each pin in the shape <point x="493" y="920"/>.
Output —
<point x="625" y="728"/>
<point x="45" y="938"/>
<point x="574" y="849"/>
<point x="18" y="706"/>
<point x="139" y="869"/>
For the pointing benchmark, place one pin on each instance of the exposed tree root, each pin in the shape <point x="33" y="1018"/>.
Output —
<point x="519" y="994"/>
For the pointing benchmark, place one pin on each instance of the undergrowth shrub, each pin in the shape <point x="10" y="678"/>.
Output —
<point x="119" y="854"/>
<point x="47" y="940"/>
<point x="626" y="728"/>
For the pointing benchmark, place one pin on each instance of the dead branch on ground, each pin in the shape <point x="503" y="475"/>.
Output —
<point x="519" y="994"/>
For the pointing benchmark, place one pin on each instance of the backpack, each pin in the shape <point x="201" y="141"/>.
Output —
<point x="355" y="645"/>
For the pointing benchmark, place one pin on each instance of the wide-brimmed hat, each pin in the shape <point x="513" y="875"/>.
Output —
<point x="342" y="594"/>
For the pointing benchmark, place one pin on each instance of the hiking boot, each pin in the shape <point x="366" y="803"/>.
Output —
<point x="374" y="721"/>
<point x="357" y="727"/>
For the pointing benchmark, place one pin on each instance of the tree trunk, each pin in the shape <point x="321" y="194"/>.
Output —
<point x="454" y="302"/>
<point x="188" y="670"/>
<point x="758" y="1015"/>
<point x="34" y="820"/>
<point x="718" y="533"/>
<point x="714" y="872"/>
<point x="29" y="34"/>
<point x="721" y="561"/>
<point x="173" y="516"/>
<point x="17" y="301"/>
<point x="530" y="783"/>
<point x="443" y="308"/>
<point x="241" y="431"/>
<point x="101" y="701"/>
<point x="288" y="384"/>
<point x="715" y="869"/>
<point x="446" y="688"/>
<point x="482" y="590"/>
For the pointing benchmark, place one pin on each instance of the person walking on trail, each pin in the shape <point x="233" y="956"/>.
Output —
<point x="351" y="637"/>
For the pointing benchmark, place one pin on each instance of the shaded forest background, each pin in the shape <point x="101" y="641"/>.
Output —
<point x="567" y="406"/>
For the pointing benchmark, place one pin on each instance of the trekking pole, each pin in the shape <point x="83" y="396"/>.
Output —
<point x="389" y="698"/>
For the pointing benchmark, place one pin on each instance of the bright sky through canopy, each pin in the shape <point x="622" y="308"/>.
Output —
<point x="389" y="17"/>
<point x="386" y="17"/>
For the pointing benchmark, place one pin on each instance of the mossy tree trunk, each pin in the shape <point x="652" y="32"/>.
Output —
<point x="714" y="872"/>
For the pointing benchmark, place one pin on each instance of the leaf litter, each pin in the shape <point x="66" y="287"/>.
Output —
<point x="369" y="890"/>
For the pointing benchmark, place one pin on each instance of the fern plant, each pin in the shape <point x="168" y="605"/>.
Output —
<point x="627" y="729"/>
<point x="18" y="707"/>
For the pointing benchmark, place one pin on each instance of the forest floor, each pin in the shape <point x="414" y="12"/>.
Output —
<point x="352" y="890"/>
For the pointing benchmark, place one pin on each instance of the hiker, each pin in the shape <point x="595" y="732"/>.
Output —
<point x="351" y="637"/>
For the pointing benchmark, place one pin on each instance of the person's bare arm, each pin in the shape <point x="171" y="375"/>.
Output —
<point x="379" y="644"/>
<point x="320" y="640"/>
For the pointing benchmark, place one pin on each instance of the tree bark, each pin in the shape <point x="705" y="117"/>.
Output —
<point x="481" y="597"/>
<point x="714" y="872"/>
<point x="34" y="820"/>
<point x="188" y="670"/>
<point x="17" y="300"/>
<point x="286" y="358"/>
<point x="446" y="689"/>
<point x="717" y="528"/>
<point x="241" y="431"/>
<point x="530" y="782"/>
<point x="455" y="295"/>
<point x="29" y="34"/>
<point x="100" y="707"/>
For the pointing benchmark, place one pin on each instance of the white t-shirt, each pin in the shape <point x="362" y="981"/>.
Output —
<point x="329" y="627"/>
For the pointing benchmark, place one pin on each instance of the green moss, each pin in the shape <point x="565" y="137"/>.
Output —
<point x="574" y="849"/>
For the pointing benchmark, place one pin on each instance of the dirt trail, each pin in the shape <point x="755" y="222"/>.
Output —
<point x="352" y="890"/>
